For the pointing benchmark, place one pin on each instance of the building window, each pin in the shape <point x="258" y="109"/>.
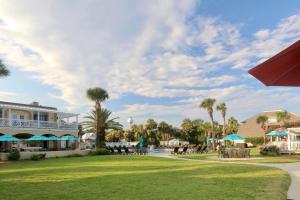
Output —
<point x="1" y="113"/>
<point x="22" y="117"/>
<point x="43" y="116"/>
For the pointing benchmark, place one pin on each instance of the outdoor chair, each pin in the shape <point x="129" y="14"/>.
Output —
<point x="184" y="150"/>
<point x="119" y="150"/>
<point x="175" y="151"/>
<point x="127" y="150"/>
<point x="198" y="149"/>
<point x="204" y="149"/>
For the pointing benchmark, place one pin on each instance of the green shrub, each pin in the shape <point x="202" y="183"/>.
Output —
<point x="99" y="151"/>
<point x="14" y="155"/>
<point x="74" y="155"/>
<point x="271" y="150"/>
<point x="40" y="156"/>
<point x="255" y="140"/>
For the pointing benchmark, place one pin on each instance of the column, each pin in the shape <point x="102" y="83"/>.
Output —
<point x="76" y="120"/>
<point x="10" y="117"/>
<point x="38" y="118"/>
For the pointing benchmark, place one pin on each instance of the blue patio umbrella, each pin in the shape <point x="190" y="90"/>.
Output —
<point x="8" y="138"/>
<point x="38" y="138"/>
<point x="234" y="137"/>
<point x="68" y="137"/>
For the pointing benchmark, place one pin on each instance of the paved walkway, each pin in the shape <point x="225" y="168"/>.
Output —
<point x="292" y="168"/>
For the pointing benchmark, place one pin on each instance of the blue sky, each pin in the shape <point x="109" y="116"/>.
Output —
<point x="157" y="59"/>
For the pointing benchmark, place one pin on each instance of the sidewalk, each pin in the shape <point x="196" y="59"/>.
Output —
<point x="292" y="168"/>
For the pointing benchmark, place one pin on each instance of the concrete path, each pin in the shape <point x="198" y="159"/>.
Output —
<point x="292" y="168"/>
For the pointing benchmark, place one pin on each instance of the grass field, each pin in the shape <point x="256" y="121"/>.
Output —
<point x="138" y="177"/>
<point x="254" y="153"/>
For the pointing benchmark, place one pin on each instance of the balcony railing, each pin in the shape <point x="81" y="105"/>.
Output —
<point x="19" y="123"/>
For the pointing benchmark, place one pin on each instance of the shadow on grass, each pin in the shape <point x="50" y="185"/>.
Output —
<point x="142" y="178"/>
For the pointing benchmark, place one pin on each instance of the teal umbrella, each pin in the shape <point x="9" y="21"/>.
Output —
<point x="53" y="138"/>
<point x="277" y="133"/>
<point x="141" y="142"/>
<point x="68" y="137"/>
<point x="234" y="137"/>
<point x="38" y="138"/>
<point x="8" y="138"/>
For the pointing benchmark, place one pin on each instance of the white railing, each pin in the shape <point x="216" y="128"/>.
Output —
<point x="4" y="122"/>
<point x="19" y="123"/>
<point x="295" y="145"/>
<point x="282" y="145"/>
<point x="287" y="146"/>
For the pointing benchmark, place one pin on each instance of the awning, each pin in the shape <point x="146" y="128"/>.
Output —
<point x="8" y="138"/>
<point x="282" y="69"/>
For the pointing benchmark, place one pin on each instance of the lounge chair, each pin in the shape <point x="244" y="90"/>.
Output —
<point x="184" y="150"/>
<point x="198" y="149"/>
<point x="175" y="151"/>
<point x="204" y="149"/>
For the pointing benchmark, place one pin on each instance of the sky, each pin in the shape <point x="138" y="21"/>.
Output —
<point x="157" y="59"/>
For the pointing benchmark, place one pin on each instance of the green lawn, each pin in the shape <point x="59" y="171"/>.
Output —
<point x="138" y="177"/>
<point x="254" y="153"/>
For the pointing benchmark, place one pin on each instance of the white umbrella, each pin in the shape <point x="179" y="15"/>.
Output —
<point x="89" y="136"/>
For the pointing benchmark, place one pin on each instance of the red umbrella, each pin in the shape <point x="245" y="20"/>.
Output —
<point x="282" y="69"/>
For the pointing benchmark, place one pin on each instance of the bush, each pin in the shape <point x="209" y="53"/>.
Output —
<point x="74" y="155"/>
<point x="255" y="140"/>
<point x="40" y="156"/>
<point x="271" y="150"/>
<point x="99" y="151"/>
<point x="14" y="155"/>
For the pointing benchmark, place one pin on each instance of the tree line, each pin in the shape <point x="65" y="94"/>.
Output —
<point x="195" y="131"/>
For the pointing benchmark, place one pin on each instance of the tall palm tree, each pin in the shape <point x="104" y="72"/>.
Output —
<point x="222" y="108"/>
<point x="164" y="130"/>
<point x="98" y="95"/>
<point x="103" y="122"/>
<point x="263" y="121"/>
<point x="232" y="125"/>
<point x="208" y="104"/>
<point x="3" y="70"/>
<point x="282" y="117"/>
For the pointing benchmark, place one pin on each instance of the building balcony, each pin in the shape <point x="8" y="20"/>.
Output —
<point x="35" y="124"/>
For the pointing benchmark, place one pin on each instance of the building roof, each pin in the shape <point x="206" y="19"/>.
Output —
<point x="249" y="127"/>
<point x="31" y="105"/>
<point x="35" y="107"/>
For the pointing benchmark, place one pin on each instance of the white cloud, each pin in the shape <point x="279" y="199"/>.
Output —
<point x="158" y="49"/>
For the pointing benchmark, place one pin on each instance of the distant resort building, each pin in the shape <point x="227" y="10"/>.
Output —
<point x="38" y="128"/>
<point x="249" y="127"/>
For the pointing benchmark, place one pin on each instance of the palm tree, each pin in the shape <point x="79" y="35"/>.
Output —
<point x="232" y="125"/>
<point x="164" y="130"/>
<point x="103" y="122"/>
<point x="222" y="108"/>
<point x="98" y="95"/>
<point x="3" y="70"/>
<point x="282" y="117"/>
<point x="208" y="104"/>
<point x="262" y="120"/>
